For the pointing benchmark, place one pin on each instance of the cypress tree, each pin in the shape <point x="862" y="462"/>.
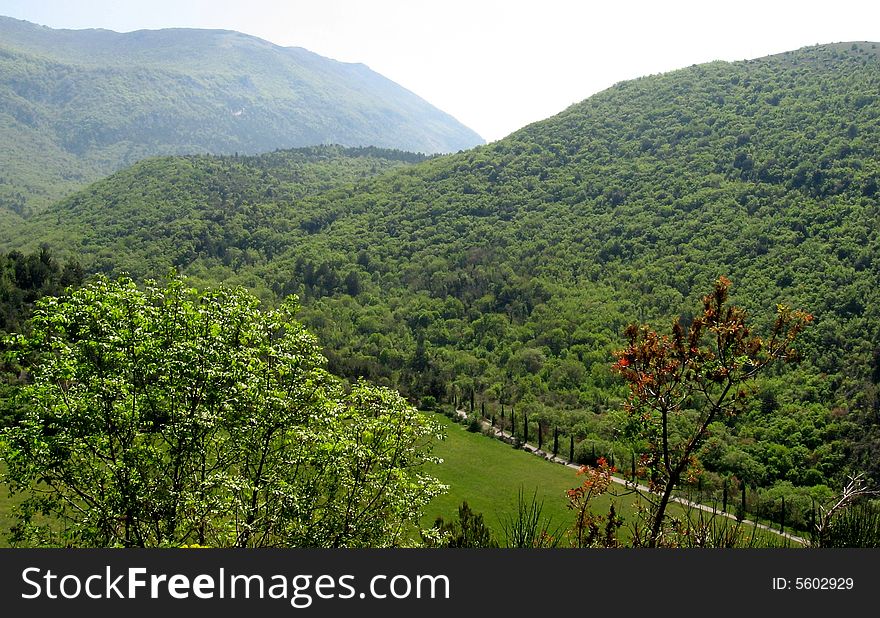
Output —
<point x="782" y="518"/>
<point x="525" y="428"/>
<point x="483" y="409"/>
<point x="493" y="420"/>
<point x="812" y="516"/>
<point x="724" y="497"/>
<point x="571" y="449"/>
<point x="743" y="515"/>
<point x="502" y="420"/>
<point x="633" y="466"/>
<point x="555" y="441"/>
<point x="512" y="424"/>
<point x="472" y="401"/>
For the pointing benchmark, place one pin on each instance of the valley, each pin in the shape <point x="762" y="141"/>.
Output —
<point x="501" y="279"/>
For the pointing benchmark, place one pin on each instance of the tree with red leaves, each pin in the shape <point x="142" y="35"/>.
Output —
<point x="680" y="385"/>
<point x="586" y="531"/>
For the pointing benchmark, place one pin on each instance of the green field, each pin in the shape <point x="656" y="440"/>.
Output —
<point x="489" y="474"/>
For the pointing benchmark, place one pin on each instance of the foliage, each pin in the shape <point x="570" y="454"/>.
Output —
<point x="801" y="504"/>
<point x="528" y="528"/>
<point x="856" y="526"/>
<point x="163" y="416"/>
<point x="848" y="520"/>
<point x="468" y="531"/>
<point x="699" y="528"/>
<point x="474" y="425"/>
<point x="511" y="270"/>
<point x="220" y="209"/>
<point x="586" y="530"/>
<point x="680" y="385"/>
<point x="25" y="278"/>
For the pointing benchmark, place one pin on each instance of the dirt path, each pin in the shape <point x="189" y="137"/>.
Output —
<point x="531" y="448"/>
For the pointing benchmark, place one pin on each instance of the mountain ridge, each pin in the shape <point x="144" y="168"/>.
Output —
<point x="148" y="38"/>
<point x="77" y="106"/>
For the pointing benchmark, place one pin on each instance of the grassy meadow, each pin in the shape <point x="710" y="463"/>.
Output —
<point x="489" y="474"/>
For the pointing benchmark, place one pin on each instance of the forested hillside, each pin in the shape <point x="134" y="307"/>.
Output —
<point x="509" y="271"/>
<point x="227" y="212"/>
<point x="76" y="105"/>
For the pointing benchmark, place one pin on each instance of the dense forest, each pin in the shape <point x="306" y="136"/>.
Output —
<point x="76" y="105"/>
<point x="506" y="274"/>
<point x="226" y="213"/>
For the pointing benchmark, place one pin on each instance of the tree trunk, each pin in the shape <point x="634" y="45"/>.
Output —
<point x="660" y="515"/>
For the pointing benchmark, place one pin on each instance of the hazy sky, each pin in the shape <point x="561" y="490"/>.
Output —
<point x="495" y="65"/>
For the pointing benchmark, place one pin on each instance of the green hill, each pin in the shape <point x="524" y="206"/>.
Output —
<point x="76" y="105"/>
<point x="179" y="211"/>
<point x="510" y="270"/>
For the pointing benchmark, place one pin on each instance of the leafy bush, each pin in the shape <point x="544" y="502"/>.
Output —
<point x="468" y="531"/>
<point x="856" y="526"/>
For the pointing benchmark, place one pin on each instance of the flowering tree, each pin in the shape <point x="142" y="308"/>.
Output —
<point x="679" y="385"/>
<point x="161" y="416"/>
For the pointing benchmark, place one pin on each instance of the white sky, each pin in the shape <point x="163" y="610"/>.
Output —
<point x="495" y="65"/>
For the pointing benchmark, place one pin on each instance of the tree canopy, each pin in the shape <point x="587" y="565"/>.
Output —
<point x="163" y="416"/>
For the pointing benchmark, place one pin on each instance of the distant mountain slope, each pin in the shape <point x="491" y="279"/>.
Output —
<point x="78" y="104"/>
<point x="225" y="207"/>
<point x="510" y="270"/>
